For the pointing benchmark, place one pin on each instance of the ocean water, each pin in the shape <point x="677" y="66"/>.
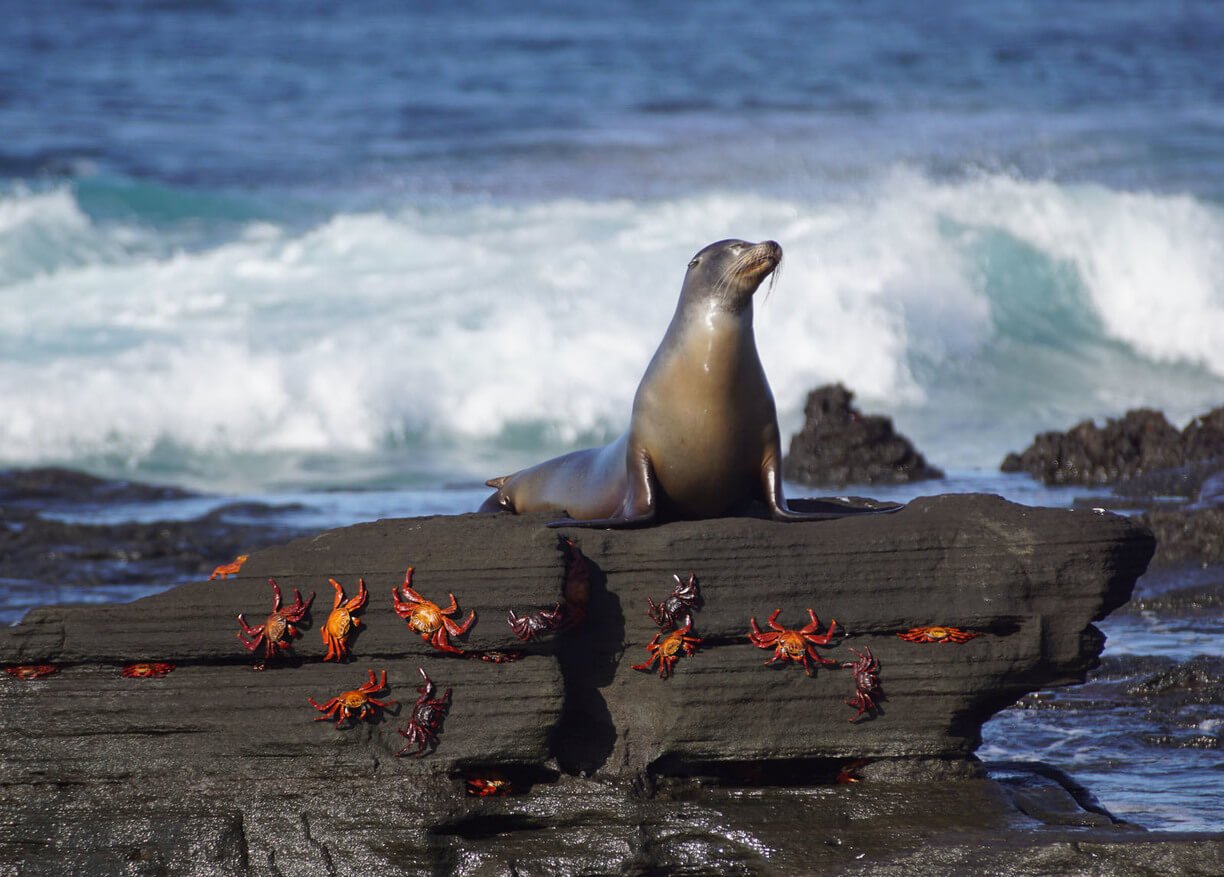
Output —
<point x="268" y="246"/>
<point x="364" y="257"/>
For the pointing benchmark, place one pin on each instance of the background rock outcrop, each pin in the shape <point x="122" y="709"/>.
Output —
<point x="1142" y="441"/>
<point x="840" y="445"/>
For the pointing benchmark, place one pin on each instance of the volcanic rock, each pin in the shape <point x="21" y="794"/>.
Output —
<point x="726" y="767"/>
<point x="1141" y="441"/>
<point x="1187" y="536"/>
<point x="840" y="445"/>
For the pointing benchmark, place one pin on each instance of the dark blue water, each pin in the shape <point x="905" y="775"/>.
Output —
<point x="484" y="97"/>
<point x="364" y="256"/>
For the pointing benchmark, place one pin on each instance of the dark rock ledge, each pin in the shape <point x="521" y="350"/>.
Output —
<point x="725" y="768"/>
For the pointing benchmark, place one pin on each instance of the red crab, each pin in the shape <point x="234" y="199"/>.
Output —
<point x="526" y="627"/>
<point x="341" y="622"/>
<point x="848" y="774"/>
<point x="480" y="787"/>
<point x="496" y="657"/>
<point x="866" y="682"/>
<point x="683" y="599"/>
<point x="31" y="671"/>
<point x="668" y="652"/>
<point x="280" y="628"/>
<point x="427" y="716"/>
<point x="356" y="702"/>
<point x="429" y="619"/>
<point x="935" y="634"/>
<point x="229" y="569"/>
<point x="147" y="670"/>
<point x="793" y="645"/>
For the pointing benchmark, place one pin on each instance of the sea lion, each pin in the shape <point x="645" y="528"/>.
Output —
<point x="703" y="439"/>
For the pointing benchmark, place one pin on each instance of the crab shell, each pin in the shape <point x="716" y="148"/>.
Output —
<point x="341" y="622"/>
<point x="147" y="670"/>
<point x="668" y="652"/>
<point x="937" y="634"/>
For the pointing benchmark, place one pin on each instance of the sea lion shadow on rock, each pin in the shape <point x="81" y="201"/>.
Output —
<point x="703" y="438"/>
<point x="585" y="736"/>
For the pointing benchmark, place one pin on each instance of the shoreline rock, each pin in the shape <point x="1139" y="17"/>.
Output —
<point x="1141" y="441"/>
<point x="615" y="770"/>
<point x="38" y="548"/>
<point x="839" y="445"/>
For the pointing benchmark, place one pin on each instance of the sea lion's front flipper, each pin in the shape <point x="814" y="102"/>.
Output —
<point x="817" y="509"/>
<point x="827" y="510"/>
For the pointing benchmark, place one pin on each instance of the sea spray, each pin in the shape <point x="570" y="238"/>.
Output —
<point x="995" y="305"/>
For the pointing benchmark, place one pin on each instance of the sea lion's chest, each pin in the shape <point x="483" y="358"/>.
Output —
<point x="701" y="415"/>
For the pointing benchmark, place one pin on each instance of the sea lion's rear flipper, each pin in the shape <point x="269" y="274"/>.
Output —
<point x="826" y="510"/>
<point x="498" y="502"/>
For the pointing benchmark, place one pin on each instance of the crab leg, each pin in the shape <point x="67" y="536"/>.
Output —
<point x="811" y="650"/>
<point x="440" y="642"/>
<point x="458" y="629"/>
<point x="809" y="631"/>
<point x="247" y="629"/>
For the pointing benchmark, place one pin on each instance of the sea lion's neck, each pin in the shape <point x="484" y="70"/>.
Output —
<point x="699" y="300"/>
<point x="706" y="335"/>
<point x="697" y="307"/>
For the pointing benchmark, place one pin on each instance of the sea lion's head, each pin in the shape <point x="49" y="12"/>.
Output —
<point x="728" y="272"/>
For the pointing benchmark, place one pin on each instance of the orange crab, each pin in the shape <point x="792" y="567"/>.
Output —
<point x="668" y="652"/>
<point x="229" y="569"/>
<point x="341" y="622"/>
<point x="280" y="627"/>
<point x="147" y="670"/>
<point x="935" y="634"/>
<point x="429" y="619"/>
<point x="31" y="671"/>
<point x="354" y="703"/>
<point x="849" y="772"/>
<point x="793" y="645"/>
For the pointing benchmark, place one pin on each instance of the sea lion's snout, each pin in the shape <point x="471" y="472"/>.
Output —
<point x="762" y="258"/>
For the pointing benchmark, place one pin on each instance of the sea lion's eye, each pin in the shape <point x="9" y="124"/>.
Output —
<point x="693" y="264"/>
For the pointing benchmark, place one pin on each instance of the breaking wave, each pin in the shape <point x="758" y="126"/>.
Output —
<point x="975" y="312"/>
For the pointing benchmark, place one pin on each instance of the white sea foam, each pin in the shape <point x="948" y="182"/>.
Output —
<point x="460" y="322"/>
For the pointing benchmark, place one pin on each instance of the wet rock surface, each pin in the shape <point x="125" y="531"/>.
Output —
<point x="45" y="557"/>
<point x="1140" y="442"/>
<point x="1187" y="535"/>
<point x="727" y="767"/>
<point x="840" y="445"/>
